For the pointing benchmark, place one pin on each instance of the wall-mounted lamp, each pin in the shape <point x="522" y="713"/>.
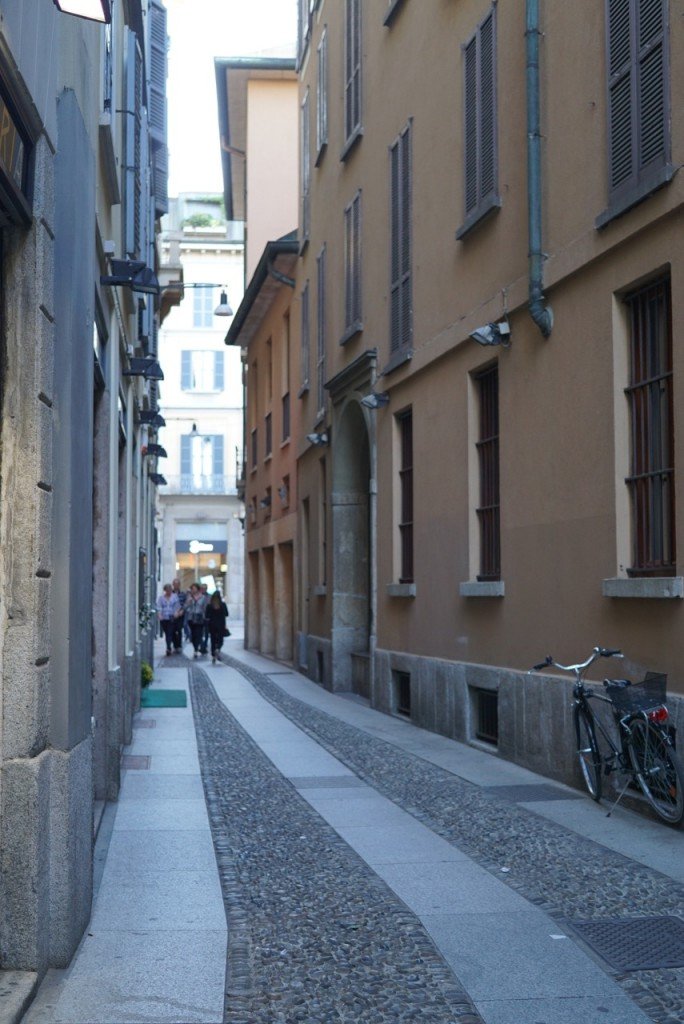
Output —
<point x="318" y="439"/>
<point x="144" y="366"/>
<point x="133" y="274"/>
<point x="375" y="401"/>
<point x="152" y="418"/>
<point x="158" y="478"/>
<point x="92" y="10"/>
<point x="493" y="334"/>
<point x="156" y="449"/>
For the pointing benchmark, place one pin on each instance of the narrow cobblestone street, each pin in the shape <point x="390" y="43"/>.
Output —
<point x="367" y="871"/>
<point x="568" y="876"/>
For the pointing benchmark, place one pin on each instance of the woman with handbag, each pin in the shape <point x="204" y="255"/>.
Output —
<point x="216" y="615"/>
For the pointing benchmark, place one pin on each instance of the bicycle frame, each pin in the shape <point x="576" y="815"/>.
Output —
<point x="618" y="759"/>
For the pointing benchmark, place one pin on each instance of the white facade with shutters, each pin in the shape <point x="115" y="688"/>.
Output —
<point x="202" y="403"/>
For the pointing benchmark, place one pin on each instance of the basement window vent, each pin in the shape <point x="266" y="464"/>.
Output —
<point x="402" y="693"/>
<point x="486" y="714"/>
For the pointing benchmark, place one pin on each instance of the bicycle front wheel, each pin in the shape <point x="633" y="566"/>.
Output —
<point x="657" y="771"/>
<point x="588" y="752"/>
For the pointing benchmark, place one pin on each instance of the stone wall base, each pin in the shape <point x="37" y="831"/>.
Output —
<point x="45" y="858"/>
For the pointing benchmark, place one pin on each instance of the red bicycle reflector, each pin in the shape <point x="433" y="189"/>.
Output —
<point x="659" y="714"/>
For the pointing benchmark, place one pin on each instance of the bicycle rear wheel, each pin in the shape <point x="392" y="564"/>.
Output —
<point x="657" y="771"/>
<point x="588" y="752"/>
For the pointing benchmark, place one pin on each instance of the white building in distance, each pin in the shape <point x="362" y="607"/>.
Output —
<point x="200" y="516"/>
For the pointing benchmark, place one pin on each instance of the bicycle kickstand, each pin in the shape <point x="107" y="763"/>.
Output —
<point x="619" y="798"/>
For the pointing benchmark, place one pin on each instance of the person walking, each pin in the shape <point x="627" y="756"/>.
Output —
<point x="215" y="617"/>
<point x="167" y="607"/>
<point x="179" y="623"/>
<point x="195" y="607"/>
<point x="204" y="589"/>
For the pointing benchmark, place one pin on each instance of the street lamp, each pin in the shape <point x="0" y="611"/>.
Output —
<point x="223" y="309"/>
<point x="91" y="10"/>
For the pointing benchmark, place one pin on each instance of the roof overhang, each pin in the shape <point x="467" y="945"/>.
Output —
<point x="274" y="271"/>
<point x="232" y="77"/>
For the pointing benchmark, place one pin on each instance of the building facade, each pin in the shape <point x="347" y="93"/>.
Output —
<point x="201" y="516"/>
<point x="489" y="315"/>
<point x="82" y="184"/>
<point x="258" y="124"/>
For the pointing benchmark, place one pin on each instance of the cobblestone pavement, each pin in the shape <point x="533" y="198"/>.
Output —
<point x="566" y="875"/>
<point x="313" y="934"/>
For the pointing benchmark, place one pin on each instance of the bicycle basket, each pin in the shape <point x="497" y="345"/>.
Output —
<point x="642" y="696"/>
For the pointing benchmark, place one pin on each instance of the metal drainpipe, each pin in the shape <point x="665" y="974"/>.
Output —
<point x="539" y="311"/>
<point x="373" y="543"/>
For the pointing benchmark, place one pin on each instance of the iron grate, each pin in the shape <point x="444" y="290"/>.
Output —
<point x="635" y="943"/>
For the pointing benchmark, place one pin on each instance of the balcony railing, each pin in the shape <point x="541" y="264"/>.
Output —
<point x="191" y="483"/>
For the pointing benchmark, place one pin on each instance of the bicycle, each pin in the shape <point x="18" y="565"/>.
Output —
<point x="644" y="751"/>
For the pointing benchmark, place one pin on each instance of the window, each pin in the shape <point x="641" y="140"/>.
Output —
<point x="486" y="714"/>
<point x="638" y="102"/>
<point x="320" y="334"/>
<point x="322" y="96"/>
<point x="402" y="692"/>
<point x="480" y="129"/>
<point x="401" y="320"/>
<point x="352" y="268"/>
<point x="286" y="416"/>
<point x="255" y="447"/>
<point x="202" y="463"/>
<point x="405" y="423"/>
<point x="651" y="481"/>
<point x="487" y="382"/>
<point x="305" y="169"/>
<point x="204" y="302"/>
<point x="268" y="435"/>
<point x="352" y="73"/>
<point x="306" y="340"/>
<point x="202" y="370"/>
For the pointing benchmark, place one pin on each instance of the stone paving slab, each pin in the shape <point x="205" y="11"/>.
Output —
<point x="136" y="977"/>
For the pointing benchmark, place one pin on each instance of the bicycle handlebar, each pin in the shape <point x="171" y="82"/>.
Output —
<point x="598" y="652"/>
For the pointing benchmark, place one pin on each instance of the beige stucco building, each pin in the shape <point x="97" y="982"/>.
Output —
<point x="258" y="118"/>
<point x="471" y="165"/>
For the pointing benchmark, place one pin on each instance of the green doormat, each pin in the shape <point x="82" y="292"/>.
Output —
<point x="163" y="699"/>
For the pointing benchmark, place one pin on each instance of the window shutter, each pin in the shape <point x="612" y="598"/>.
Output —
<point x="352" y="87"/>
<point x="306" y="337"/>
<point x="306" y="167"/>
<point x="480" y="115"/>
<point x="322" y="94"/>
<point x="219" y="364"/>
<point x="471" y="191"/>
<point x="186" y="455"/>
<point x="186" y="371"/>
<point x="487" y="109"/>
<point x="320" y="332"/>
<point x="637" y="90"/>
<point x="217" y="454"/>
<point x="401" y="326"/>
<point x="133" y="142"/>
<point x="158" y="72"/>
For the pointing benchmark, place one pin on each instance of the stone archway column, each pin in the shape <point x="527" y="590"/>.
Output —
<point x="350" y="583"/>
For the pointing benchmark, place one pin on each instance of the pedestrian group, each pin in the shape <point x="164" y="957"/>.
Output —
<point x="192" y="615"/>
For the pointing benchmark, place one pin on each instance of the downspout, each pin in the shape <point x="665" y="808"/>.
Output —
<point x="373" y="543"/>
<point x="539" y="311"/>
